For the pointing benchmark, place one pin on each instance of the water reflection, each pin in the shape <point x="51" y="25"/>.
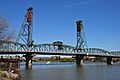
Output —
<point x="69" y="71"/>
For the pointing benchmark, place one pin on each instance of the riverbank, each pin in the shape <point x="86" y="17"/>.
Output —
<point x="9" y="75"/>
<point x="4" y="78"/>
<point x="9" y="68"/>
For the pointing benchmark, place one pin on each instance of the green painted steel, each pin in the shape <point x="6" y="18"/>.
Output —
<point x="9" y="46"/>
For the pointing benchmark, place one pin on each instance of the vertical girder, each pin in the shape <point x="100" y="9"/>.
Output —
<point x="81" y="42"/>
<point x="25" y="34"/>
<point x="29" y="21"/>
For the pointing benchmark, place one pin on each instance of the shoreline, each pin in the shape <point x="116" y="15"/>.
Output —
<point x="9" y="75"/>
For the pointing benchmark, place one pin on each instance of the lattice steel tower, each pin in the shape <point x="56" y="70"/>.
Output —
<point x="81" y="40"/>
<point x="25" y="34"/>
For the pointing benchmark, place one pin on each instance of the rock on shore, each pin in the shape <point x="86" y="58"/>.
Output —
<point x="4" y="75"/>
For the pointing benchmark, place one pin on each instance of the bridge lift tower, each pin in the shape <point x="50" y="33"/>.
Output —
<point x="81" y="42"/>
<point x="25" y="35"/>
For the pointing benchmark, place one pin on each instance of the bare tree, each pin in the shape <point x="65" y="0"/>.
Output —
<point x="5" y="33"/>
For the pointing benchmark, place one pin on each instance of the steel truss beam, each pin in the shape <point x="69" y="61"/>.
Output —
<point x="52" y="49"/>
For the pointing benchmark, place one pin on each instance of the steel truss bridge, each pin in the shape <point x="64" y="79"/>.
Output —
<point x="9" y="47"/>
<point x="56" y="48"/>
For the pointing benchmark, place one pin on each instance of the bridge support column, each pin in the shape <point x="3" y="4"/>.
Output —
<point x="28" y="60"/>
<point x="79" y="59"/>
<point x="109" y="60"/>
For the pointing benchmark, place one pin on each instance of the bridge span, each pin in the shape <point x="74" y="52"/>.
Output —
<point x="9" y="47"/>
<point x="28" y="48"/>
<point x="51" y="49"/>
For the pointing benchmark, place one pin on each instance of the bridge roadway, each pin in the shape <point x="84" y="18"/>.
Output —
<point x="57" y="53"/>
<point x="8" y="47"/>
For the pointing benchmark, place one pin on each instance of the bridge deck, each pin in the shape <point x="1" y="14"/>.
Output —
<point x="9" y="47"/>
<point x="56" y="53"/>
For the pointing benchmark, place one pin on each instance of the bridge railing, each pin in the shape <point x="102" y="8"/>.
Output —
<point x="115" y="53"/>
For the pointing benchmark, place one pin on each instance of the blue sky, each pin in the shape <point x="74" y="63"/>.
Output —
<point x="55" y="20"/>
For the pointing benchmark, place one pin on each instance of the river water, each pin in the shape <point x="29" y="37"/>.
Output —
<point x="69" y="71"/>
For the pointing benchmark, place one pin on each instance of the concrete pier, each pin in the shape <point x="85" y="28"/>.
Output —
<point x="109" y="60"/>
<point x="28" y="60"/>
<point x="79" y="59"/>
